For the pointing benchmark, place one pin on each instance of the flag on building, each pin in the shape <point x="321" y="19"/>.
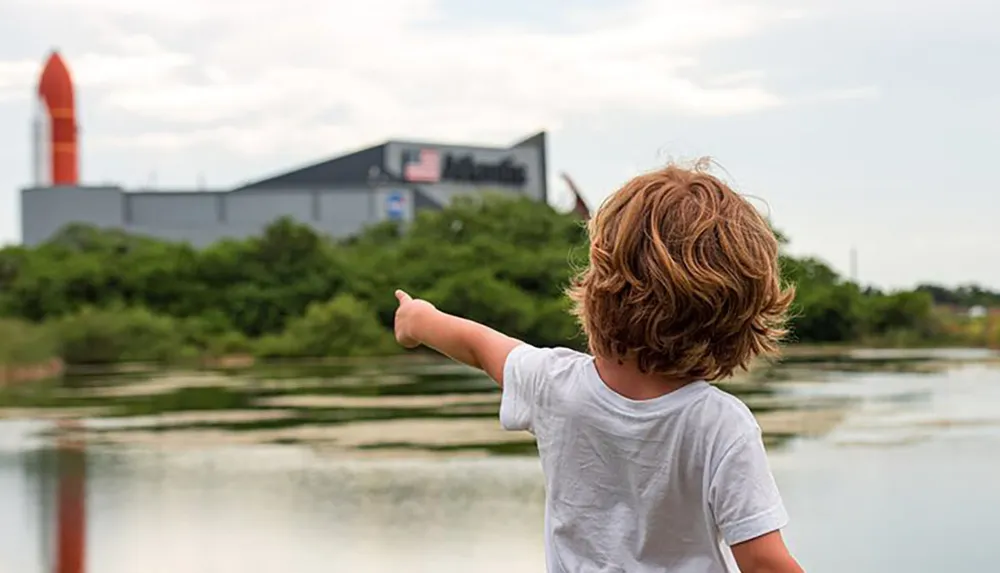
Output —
<point x="423" y="166"/>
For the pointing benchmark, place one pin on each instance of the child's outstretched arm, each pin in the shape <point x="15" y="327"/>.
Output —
<point x="765" y="554"/>
<point x="419" y="323"/>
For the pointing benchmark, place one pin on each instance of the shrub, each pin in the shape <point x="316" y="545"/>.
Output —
<point x="119" y="334"/>
<point x="478" y="295"/>
<point x="228" y="343"/>
<point x="342" y="326"/>
<point x="25" y="343"/>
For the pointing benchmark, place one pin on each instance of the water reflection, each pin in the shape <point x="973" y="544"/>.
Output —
<point x="886" y="463"/>
<point x="52" y="493"/>
<point x="265" y="508"/>
<point x="71" y="476"/>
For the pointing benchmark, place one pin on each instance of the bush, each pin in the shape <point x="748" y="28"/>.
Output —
<point x="200" y="331"/>
<point x="828" y="313"/>
<point x="274" y="346"/>
<point x="911" y="312"/>
<point x="227" y="344"/>
<point x="478" y="295"/>
<point x="343" y="326"/>
<point x="119" y="334"/>
<point x="24" y="343"/>
<point x="555" y="326"/>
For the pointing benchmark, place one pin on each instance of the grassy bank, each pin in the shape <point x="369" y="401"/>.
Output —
<point x="25" y="344"/>
<point x="27" y="352"/>
<point x="343" y="327"/>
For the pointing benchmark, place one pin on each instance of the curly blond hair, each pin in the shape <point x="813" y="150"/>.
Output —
<point x="683" y="278"/>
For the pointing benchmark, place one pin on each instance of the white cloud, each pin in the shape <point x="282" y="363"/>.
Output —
<point x="862" y="93"/>
<point x="255" y="75"/>
<point x="17" y="74"/>
<point x="16" y="78"/>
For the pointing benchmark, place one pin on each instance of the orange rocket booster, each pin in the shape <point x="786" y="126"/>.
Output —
<point x="55" y="92"/>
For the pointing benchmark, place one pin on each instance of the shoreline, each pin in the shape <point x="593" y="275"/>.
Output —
<point x="11" y="374"/>
<point x="244" y="361"/>
<point x="380" y="411"/>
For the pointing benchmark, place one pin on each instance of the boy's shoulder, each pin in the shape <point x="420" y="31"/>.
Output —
<point x="731" y="409"/>
<point x="559" y="374"/>
<point x="544" y="363"/>
<point x="728" y="419"/>
<point x="530" y="374"/>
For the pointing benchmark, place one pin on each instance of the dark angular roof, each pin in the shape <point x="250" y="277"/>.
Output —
<point x="352" y="169"/>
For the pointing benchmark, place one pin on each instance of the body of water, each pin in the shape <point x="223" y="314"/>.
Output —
<point x="887" y="462"/>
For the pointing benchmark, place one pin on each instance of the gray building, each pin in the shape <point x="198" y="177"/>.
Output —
<point x="337" y="197"/>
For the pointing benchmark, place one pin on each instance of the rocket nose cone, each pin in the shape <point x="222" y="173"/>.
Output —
<point x="55" y="64"/>
<point x="55" y="84"/>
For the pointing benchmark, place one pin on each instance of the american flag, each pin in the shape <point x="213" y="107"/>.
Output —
<point x="422" y="166"/>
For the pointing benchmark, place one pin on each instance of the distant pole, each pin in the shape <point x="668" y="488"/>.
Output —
<point x="36" y="152"/>
<point x="854" y="265"/>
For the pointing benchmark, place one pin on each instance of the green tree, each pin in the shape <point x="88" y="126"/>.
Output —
<point x="343" y="326"/>
<point x="294" y="292"/>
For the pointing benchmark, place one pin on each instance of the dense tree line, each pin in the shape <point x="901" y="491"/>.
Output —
<point x="106" y="296"/>
<point x="965" y="296"/>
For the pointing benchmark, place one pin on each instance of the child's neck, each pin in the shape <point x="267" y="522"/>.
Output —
<point x="626" y="379"/>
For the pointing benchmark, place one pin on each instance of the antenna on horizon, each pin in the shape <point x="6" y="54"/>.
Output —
<point x="854" y="265"/>
<point x="580" y="207"/>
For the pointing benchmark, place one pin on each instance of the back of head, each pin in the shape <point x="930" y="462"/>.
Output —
<point x="683" y="278"/>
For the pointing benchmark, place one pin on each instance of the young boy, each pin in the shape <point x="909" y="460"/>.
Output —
<point x="648" y="467"/>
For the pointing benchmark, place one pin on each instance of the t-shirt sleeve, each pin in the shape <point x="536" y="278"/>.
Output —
<point x="524" y="372"/>
<point x="743" y="494"/>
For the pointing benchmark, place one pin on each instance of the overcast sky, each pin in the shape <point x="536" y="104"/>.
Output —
<point x="864" y="123"/>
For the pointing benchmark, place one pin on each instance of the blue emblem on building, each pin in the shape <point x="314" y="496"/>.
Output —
<point x="395" y="206"/>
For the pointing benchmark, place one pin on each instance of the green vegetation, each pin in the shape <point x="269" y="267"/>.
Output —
<point x="23" y="343"/>
<point x="965" y="296"/>
<point x="343" y="326"/>
<point x="105" y="335"/>
<point x="92" y="296"/>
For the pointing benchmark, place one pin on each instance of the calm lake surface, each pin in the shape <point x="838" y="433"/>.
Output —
<point x="888" y="461"/>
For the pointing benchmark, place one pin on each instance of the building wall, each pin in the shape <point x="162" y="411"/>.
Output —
<point x="337" y="197"/>
<point x="45" y="210"/>
<point x="202" y="218"/>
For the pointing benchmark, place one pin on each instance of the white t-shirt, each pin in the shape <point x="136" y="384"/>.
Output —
<point x="666" y="484"/>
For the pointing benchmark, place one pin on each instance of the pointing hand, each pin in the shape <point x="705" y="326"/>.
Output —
<point x="407" y="322"/>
